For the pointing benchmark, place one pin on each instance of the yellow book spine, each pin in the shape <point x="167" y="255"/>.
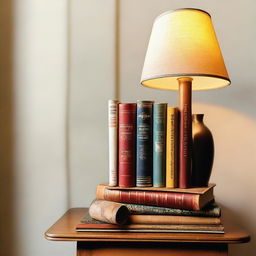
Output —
<point x="171" y="148"/>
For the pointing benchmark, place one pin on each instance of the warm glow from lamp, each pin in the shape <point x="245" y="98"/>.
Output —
<point x="183" y="44"/>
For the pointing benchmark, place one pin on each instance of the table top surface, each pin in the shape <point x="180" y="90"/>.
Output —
<point x="65" y="230"/>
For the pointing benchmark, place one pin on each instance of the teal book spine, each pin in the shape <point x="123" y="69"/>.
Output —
<point x="159" y="144"/>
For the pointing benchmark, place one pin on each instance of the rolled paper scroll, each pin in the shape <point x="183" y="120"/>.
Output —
<point x="109" y="212"/>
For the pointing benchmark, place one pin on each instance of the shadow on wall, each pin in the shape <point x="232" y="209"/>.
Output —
<point x="230" y="216"/>
<point x="7" y="234"/>
<point x="233" y="168"/>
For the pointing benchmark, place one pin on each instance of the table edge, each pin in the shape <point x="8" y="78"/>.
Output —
<point x="244" y="238"/>
<point x="53" y="237"/>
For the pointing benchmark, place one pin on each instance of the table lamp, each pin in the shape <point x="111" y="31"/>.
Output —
<point x="183" y="54"/>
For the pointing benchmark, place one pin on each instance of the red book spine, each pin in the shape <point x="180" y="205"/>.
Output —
<point x="162" y="199"/>
<point x="127" y="136"/>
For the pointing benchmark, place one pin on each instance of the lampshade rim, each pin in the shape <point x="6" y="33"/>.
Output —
<point x="186" y="75"/>
<point x="181" y="9"/>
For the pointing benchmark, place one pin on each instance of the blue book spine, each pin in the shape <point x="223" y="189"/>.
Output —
<point x="144" y="147"/>
<point x="159" y="144"/>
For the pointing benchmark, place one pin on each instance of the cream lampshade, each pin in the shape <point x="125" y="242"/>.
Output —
<point x="183" y="54"/>
<point x="183" y="43"/>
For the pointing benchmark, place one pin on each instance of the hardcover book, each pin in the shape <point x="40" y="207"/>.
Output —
<point x="144" y="160"/>
<point x="172" y="148"/>
<point x="113" y="141"/>
<point x="189" y="199"/>
<point x="127" y="140"/>
<point x="211" y="210"/>
<point x="150" y="229"/>
<point x="90" y="225"/>
<point x="172" y="220"/>
<point x="159" y="144"/>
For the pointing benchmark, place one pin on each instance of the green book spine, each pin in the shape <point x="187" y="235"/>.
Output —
<point x="159" y="144"/>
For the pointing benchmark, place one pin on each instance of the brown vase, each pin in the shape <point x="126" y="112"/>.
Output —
<point x="203" y="152"/>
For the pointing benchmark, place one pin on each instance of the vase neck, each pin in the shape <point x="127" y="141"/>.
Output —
<point x="198" y="118"/>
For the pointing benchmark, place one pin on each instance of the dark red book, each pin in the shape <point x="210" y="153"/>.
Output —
<point x="188" y="199"/>
<point x="127" y="140"/>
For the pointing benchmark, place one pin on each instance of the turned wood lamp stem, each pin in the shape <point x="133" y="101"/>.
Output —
<point x="185" y="151"/>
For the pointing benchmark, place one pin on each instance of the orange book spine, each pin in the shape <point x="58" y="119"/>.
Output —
<point x="169" y="219"/>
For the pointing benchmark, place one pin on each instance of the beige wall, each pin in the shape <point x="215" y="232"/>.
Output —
<point x="92" y="83"/>
<point x="33" y="180"/>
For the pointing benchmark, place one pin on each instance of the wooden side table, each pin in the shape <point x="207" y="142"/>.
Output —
<point x="142" y="244"/>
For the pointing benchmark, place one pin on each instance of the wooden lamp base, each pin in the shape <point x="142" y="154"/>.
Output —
<point x="185" y="146"/>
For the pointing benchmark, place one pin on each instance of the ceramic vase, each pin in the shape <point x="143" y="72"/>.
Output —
<point x="202" y="153"/>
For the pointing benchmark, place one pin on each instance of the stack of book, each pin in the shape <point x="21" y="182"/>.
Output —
<point x="143" y="194"/>
<point x="159" y="210"/>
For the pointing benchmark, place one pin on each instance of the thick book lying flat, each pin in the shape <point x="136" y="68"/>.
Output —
<point x="211" y="210"/>
<point x="189" y="199"/>
<point x="90" y="225"/>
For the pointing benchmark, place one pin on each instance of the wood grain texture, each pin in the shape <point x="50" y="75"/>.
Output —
<point x="64" y="230"/>
<point x="185" y="132"/>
